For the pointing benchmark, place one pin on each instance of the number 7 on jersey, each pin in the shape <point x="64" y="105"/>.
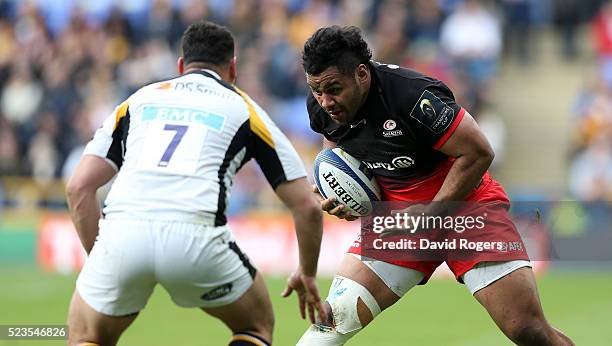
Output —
<point x="178" y="136"/>
<point x="172" y="148"/>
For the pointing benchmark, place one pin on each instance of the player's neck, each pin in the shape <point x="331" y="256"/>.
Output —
<point x="219" y="70"/>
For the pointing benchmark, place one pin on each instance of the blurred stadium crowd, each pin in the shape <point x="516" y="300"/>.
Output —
<point x="591" y="164"/>
<point x="64" y="65"/>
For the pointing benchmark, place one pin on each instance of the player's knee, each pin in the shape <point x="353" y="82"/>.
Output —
<point x="530" y="334"/>
<point x="352" y="305"/>
<point x="88" y="344"/>
<point x="249" y="339"/>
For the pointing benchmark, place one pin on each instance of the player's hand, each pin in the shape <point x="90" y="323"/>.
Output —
<point x="308" y="295"/>
<point x="332" y="207"/>
<point x="413" y="210"/>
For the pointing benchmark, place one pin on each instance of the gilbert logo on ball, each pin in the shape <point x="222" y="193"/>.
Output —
<point x="340" y="175"/>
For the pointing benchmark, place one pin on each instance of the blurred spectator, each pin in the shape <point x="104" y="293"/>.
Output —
<point x="245" y="20"/>
<point x="602" y="34"/>
<point x="118" y="31"/>
<point x="423" y="26"/>
<point x="494" y="128"/>
<point x="518" y="19"/>
<point x="592" y="112"/>
<point x="9" y="153"/>
<point x="590" y="177"/>
<point x="164" y="23"/>
<point x="281" y="66"/>
<point x="389" y="44"/>
<point x="448" y="6"/>
<point x="136" y="12"/>
<point x="7" y="49"/>
<point x="21" y="96"/>
<point x="422" y="30"/>
<point x="568" y="15"/>
<point x="355" y="12"/>
<point x="59" y="93"/>
<point x="42" y="153"/>
<point x="152" y="61"/>
<point x="315" y="14"/>
<point x="472" y="38"/>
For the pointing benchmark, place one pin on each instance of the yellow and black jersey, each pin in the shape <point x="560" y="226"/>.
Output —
<point x="178" y="144"/>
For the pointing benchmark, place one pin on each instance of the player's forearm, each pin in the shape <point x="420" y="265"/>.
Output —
<point x="91" y="173"/>
<point x="309" y="229"/>
<point x="85" y="213"/>
<point x="463" y="177"/>
<point x="308" y="221"/>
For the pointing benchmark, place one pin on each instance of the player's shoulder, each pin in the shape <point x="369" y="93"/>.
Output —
<point x="402" y="87"/>
<point x="152" y="90"/>
<point x="396" y="77"/>
<point x="252" y="106"/>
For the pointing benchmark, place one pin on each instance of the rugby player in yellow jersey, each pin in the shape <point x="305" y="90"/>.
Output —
<point x="174" y="147"/>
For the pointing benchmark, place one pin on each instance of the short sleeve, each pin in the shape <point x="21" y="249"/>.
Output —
<point x="109" y="140"/>
<point x="435" y="115"/>
<point x="271" y="149"/>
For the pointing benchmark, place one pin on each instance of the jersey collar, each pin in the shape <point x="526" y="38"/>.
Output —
<point x="206" y="72"/>
<point x="213" y="73"/>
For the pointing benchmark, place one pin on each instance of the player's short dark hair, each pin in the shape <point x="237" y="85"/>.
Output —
<point x="342" y="47"/>
<point x="207" y="42"/>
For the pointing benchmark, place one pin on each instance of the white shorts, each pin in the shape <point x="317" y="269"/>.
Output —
<point x="199" y="266"/>
<point x="400" y="279"/>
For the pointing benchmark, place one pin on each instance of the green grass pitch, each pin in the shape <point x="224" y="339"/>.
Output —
<point x="440" y="313"/>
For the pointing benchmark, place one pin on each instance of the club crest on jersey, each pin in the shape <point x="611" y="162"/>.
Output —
<point x="389" y="125"/>
<point x="390" y="129"/>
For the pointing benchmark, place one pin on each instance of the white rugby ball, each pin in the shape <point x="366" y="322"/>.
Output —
<point x="340" y="175"/>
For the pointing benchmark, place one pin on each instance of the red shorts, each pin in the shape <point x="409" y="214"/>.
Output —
<point x="499" y="229"/>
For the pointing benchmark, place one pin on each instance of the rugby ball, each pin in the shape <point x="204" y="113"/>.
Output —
<point x="340" y="175"/>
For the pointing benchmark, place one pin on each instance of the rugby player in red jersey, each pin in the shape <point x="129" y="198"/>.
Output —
<point x="421" y="146"/>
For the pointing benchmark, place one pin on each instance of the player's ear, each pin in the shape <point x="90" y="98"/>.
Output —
<point x="362" y="74"/>
<point x="233" y="70"/>
<point x="180" y="65"/>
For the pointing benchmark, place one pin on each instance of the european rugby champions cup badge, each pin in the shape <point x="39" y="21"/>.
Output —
<point x="390" y="129"/>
